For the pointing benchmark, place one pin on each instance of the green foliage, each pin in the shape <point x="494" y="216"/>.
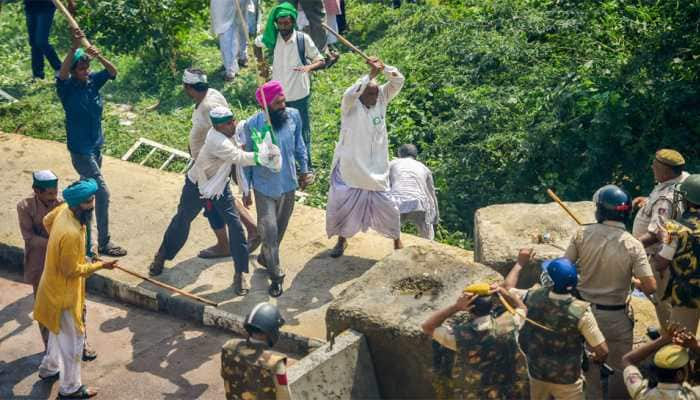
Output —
<point x="156" y="31"/>
<point x="507" y="98"/>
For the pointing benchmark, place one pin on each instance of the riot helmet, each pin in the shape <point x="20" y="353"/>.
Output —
<point x="265" y="319"/>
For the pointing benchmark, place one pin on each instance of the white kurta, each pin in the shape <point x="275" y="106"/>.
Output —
<point x="212" y="168"/>
<point x="201" y="123"/>
<point x="362" y="153"/>
<point x="412" y="188"/>
<point x="285" y="59"/>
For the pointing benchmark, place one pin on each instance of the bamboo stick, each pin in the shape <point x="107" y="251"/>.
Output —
<point x="70" y="19"/>
<point x="556" y="198"/>
<point x="171" y="288"/>
<point x="344" y="41"/>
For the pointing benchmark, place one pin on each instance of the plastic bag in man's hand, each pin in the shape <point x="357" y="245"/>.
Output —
<point x="269" y="154"/>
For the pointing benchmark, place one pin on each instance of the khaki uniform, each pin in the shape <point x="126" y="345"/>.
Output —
<point x="659" y="204"/>
<point x="638" y="388"/>
<point x="608" y="257"/>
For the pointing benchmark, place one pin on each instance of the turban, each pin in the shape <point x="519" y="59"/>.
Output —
<point x="670" y="158"/>
<point x="79" y="191"/>
<point x="44" y="179"/>
<point x="269" y="37"/>
<point x="79" y="55"/>
<point x="193" y="78"/>
<point x="671" y="356"/>
<point x="220" y="115"/>
<point x="271" y="90"/>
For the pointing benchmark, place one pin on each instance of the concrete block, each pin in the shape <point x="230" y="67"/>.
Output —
<point x="501" y="230"/>
<point x="135" y="295"/>
<point x="341" y="369"/>
<point x="389" y="303"/>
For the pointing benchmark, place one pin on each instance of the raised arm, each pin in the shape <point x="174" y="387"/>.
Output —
<point x="396" y="80"/>
<point x="64" y="72"/>
<point x="353" y="93"/>
<point x="524" y="258"/>
<point x="438" y="318"/>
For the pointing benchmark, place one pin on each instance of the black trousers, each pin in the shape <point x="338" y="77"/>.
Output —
<point x="190" y="205"/>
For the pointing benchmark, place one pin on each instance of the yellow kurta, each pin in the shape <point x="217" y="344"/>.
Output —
<point x="62" y="285"/>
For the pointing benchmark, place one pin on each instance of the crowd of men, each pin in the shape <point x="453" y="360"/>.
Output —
<point x="580" y="316"/>
<point x="583" y="311"/>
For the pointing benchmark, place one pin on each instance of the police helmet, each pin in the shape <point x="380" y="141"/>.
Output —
<point x="612" y="203"/>
<point x="562" y="273"/>
<point x="265" y="318"/>
<point x="690" y="188"/>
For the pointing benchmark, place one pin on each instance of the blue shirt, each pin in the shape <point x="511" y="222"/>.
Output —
<point x="293" y="149"/>
<point x="82" y="103"/>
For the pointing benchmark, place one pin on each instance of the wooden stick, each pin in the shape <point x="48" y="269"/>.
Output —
<point x="344" y="41"/>
<point x="556" y="198"/>
<point x="70" y="20"/>
<point x="163" y="285"/>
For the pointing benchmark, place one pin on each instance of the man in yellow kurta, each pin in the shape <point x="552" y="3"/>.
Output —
<point x="61" y="294"/>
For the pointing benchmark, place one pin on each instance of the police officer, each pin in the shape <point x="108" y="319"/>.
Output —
<point x="668" y="171"/>
<point x="485" y="366"/>
<point x="608" y="257"/>
<point x="670" y="362"/>
<point x="555" y="350"/>
<point x="681" y="251"/>
<point x="263" y="327"/>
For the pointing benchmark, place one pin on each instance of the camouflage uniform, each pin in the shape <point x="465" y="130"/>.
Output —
<point x="556" y="356"/>
<point x="684" y="286"/>
<point x="485" y="366"/>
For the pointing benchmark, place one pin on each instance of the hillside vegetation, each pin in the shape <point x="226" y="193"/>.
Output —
<point x="504" y="98"/>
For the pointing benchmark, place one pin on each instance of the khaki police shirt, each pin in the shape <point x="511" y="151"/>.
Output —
<point x="607" y="257"/>
<point x="659" y="204"/>
<point x="638" y="388"/>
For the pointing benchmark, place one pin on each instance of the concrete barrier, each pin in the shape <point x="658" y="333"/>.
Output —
<point x="341" y="369"/>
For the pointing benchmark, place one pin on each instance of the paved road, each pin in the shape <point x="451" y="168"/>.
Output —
<point x="141" y="354"/>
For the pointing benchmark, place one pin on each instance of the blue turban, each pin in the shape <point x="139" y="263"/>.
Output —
<point x="79" y="191"/>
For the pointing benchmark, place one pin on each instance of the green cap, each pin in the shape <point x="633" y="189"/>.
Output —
<point x="691" y="188"/>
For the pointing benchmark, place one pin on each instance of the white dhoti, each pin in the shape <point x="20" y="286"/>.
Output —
<point x="351" y="210"/>
<point x="64" y="353"/>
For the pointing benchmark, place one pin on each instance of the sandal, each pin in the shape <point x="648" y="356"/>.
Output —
<point x="50" y="377"/>
<point x="240" y="286"/>
<point x="210" y="253"/>
<point x="338" y="250"/>
<point x="82" y="393"/>
<point x="156" y="267"/>
<point x="111" y="250"/>
<point x="275" y="289"/>
<point x="89" y="354"/>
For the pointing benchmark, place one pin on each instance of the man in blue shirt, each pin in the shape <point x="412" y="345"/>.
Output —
<point x="274" y="191"/>
<point x="79" y="91"/>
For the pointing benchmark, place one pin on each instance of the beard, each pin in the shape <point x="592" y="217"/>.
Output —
<point x="278" y="118"/>
<point x="84" y="216"/>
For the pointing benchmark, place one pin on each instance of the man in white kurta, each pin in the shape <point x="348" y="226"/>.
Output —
<point x="195" y="85"/>
<point x="230" y="30"/>
<point x="359" y="196"/>
<point x="206" y="185"/>
<point x="413" y="191"/>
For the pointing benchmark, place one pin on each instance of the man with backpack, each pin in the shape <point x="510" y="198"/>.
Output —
<point x="294" y="56"/>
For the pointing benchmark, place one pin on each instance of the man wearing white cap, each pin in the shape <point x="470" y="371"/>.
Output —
<point x="206" y="184"/>
<point x="194" y="83"/>
<point x="31" y="212"/>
